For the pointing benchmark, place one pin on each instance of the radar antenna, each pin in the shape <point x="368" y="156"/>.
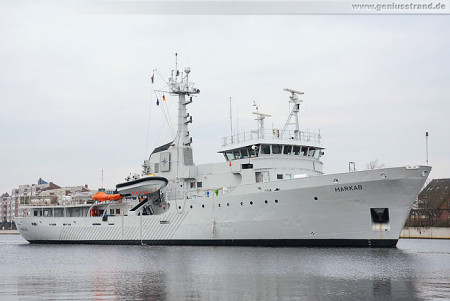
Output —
<point x="294" y="112"/>
<point x="260" y="118"/>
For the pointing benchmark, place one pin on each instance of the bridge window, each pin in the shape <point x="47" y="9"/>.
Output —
<point x="265" y="149"/>
<point x="296" y="150"/>
<point x="244" y="153"/>
<point x="229" y="156"/>
<point x="276" y="149"/>
<point x="251" y="152"/>
<point x="304" y="150"/>
<point x="287" y="149"/>
<point x="237" y="154"/>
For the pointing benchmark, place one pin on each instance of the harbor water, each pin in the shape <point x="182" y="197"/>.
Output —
<point x="415" y="270"/>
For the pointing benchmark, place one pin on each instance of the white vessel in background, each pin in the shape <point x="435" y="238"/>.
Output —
<point x="269" y="191"/>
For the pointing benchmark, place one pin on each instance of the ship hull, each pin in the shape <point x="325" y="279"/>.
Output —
<point x="328" y="210"/>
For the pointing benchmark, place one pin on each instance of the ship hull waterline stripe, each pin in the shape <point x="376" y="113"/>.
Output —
<point x="377" y="243"/>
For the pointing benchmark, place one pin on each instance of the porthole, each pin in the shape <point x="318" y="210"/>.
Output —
<point x="242" y="204"/>
<point x="315" y="198"/>
<point x="383" y="175"/>
<point x="251" y="203"/>
<point x="191" y="206"/>
<point x="179" y="207"/>
<point x="228" y="204"/>
<point x="203" y="206"/>
<point x="219" y="205"/>
<point x="336" y="180"/>
<point x="276" y="201"/>
<point x="265" y="201"/>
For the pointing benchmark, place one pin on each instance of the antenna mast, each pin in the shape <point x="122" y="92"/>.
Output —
<point x="260" y="118"/>
<point x="231" y="122"/>
<point x="294" y="112"/>
<point x="179" y="85"/>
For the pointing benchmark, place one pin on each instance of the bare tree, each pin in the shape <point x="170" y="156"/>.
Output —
<point x="374" y="164"/>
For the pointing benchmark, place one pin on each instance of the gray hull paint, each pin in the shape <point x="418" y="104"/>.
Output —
<point x="314" y="211"/>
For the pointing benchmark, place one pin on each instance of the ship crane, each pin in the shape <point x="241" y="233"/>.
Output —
<point x="294" y="112"/>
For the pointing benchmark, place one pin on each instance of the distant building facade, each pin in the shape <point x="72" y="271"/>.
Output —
<point x="42" y="193"/>
<point x="433" y="205"/>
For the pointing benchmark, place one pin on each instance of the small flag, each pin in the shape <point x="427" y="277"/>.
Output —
<point x="164" y="98"/>
<point x="157" y="102"/>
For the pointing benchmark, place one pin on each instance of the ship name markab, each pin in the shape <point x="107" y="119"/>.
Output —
<point x="348" y="188"/>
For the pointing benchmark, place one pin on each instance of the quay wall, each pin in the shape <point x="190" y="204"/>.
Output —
<point x="9" y="232"/>
<point x="425" y="232"/>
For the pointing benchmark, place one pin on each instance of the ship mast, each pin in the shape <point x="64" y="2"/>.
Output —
<point x="179" y="85"/>
<point x="260" y="118"/>
<point x="294" y="112"/>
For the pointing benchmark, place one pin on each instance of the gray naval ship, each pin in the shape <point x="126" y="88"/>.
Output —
<point x="269" y="191"/>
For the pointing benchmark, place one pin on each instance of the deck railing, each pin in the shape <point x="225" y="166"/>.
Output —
<point x="274" y="134"/>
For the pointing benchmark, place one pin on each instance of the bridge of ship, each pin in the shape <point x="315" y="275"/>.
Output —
<point x="272" y="143"/>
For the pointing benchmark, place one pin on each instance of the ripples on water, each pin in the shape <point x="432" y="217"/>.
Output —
<point x="415" y="270"/>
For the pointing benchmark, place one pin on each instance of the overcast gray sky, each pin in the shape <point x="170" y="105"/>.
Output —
<point x="76" y="95"/>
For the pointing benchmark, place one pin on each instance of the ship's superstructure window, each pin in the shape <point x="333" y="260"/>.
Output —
<point x="265" y="149"/>
<point x="279" y="176"/>
<point x="199" y="184"/>
<point x="273" y="149"/>
<point x="287" y="149"/>
<point x="251" y="152"/>
<point x="229" y="156"/>
<point x="59" y="212"/>
<point x="304" y="150"/>
<point x="276" y="149"/>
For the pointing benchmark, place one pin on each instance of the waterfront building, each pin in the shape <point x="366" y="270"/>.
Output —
<point x="41" y="193"/>
<point x="433" y="205"/>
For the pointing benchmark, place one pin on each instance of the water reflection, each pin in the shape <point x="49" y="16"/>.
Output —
<point x="193" y="273"/>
